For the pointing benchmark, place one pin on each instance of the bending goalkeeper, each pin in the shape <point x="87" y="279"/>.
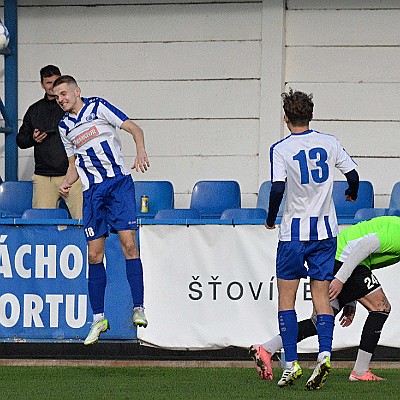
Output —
<point x="361" y="248"/>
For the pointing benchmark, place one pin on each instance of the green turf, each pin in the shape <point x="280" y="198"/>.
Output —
<point x="64" y="383"/>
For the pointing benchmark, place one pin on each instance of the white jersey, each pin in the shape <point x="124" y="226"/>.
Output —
<point x="92" y="137"/>
<point x="306" y="162"/>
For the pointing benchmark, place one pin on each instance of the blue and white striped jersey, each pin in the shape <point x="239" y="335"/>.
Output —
<point x="306" y="162"/>
<point x="92" y="137"/>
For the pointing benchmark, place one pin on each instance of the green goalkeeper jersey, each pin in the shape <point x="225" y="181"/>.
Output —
<point x="386" y="229"/>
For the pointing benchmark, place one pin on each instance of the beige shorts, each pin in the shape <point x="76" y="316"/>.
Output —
<point x="46" y="195"/>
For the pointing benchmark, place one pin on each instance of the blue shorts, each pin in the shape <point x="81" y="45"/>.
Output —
<point x="318" y="254"/>
<point x="110" y="203"/>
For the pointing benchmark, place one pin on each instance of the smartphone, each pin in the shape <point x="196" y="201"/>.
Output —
<point x="50" y="131"/>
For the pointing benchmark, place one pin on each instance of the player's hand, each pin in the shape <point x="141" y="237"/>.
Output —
<point x="141" y="162"/>
<point x="269" y="227"/>
<point x="348" y="198"/>
<point x="347" y="316"/>
<point x="38" y="136"/>
<point x="335" y="288"/>
<point x="64" y="189"/>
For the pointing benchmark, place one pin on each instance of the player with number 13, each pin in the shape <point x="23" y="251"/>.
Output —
<point x="303" y="164"/>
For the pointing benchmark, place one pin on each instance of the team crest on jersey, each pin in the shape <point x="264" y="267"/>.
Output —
<point x="90" y="117"/>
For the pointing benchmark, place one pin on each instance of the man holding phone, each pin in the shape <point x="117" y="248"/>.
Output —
<point x="39" y="130"/>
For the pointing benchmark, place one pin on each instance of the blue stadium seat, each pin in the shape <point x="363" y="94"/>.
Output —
<point x="394" y="206"/>
<point x="394" y="211"/>
<point x="263" y="198"/>
<point x="211" y="198"/>
<point x="347" y="209"/>
<point x="15" y="198"/>
<point x="236" y="214"/>
<point x="63" y="205"/>
<point x="160" y="194"/>
<point x="45" y="213"/>
<point x="395" y="196"/>
<point x="178" y="213"/>
<point x="368" y="213"/>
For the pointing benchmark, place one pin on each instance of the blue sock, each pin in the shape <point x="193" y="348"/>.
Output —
<point x="325" y="324"/>
<point x="134" y="273"/>
<point x="97" y="287"/>
<point x="288" y="330"/>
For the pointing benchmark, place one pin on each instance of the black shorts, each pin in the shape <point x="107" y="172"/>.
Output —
<point x="360" y="283"/>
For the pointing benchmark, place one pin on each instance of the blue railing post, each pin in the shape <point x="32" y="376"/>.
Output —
<point x="11" y="90"/>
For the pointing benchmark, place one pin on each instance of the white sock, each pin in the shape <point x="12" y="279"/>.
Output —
<point x="97" y="318"/>
<point x="289" y="364"/>
<point x="362" y="362"/>
<point x="273" y="345"/>
<point x="322" y="355"/>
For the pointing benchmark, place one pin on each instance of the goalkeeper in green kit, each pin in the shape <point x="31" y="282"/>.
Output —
<point x="361" y="248"/>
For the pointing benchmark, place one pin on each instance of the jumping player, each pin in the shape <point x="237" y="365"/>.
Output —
<point x="363" y="247"/>
<point x="88" y="131"/>
<point x="303" y="164"/>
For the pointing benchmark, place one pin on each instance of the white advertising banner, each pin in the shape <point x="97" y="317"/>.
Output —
<point x="213" y="286"/>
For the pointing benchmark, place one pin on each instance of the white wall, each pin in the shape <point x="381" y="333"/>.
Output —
<point x="348" y="56"/>
<point x="204" y="79"/>
<point x="188" y="74"/>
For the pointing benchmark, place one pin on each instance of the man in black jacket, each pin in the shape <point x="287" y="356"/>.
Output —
<point x="39" y="130"/>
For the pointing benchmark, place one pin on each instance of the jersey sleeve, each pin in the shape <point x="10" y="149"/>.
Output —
<point x="343" y="160"/>
<point x="68" y="145"/>
<point x="278" y="166"/>
<point x="110" y="113"/>
<point x="363" y="249"/>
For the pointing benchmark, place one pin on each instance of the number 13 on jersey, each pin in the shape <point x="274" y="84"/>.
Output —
<point x="319" y="174"/>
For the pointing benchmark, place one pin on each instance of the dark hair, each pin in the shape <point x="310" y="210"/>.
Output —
<point x="49" y="70"/>
<point x="298" y="107"/>
<point x="65" y="79"/>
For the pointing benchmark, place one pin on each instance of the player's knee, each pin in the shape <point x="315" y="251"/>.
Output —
<point x="95" y="257"/>
<point x="130" y="250"/>
<point x="384" y="307"/>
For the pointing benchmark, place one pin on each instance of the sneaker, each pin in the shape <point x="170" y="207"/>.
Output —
<point x="95" y="331"/>
<point x="139" y="319"/>
<point x="319" y="375"/>
<point x="290" y="374"/>
<point x="368" y="376"/>
<point x="262" y="358"/>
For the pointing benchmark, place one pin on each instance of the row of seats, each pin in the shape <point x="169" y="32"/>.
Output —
<point x="229" y="214"/>
<point x="222" y="199"/>
<point x="16" y="202"/>
<point x="209" y="199"/>
<point x="394" y="207"/>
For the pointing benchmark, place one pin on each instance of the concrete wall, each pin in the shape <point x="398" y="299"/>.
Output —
<point x="204" y="79"/>
<point x="348" y="56"/>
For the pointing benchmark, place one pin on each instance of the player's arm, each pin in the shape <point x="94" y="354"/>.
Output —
<point x="70" y="178"/>
<point x="353" y="180"/>
<point x="275" y="200"/>
<point x="365" y="247"/>
<point x="141" y="160"/>
<point x="25" y="135"/>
